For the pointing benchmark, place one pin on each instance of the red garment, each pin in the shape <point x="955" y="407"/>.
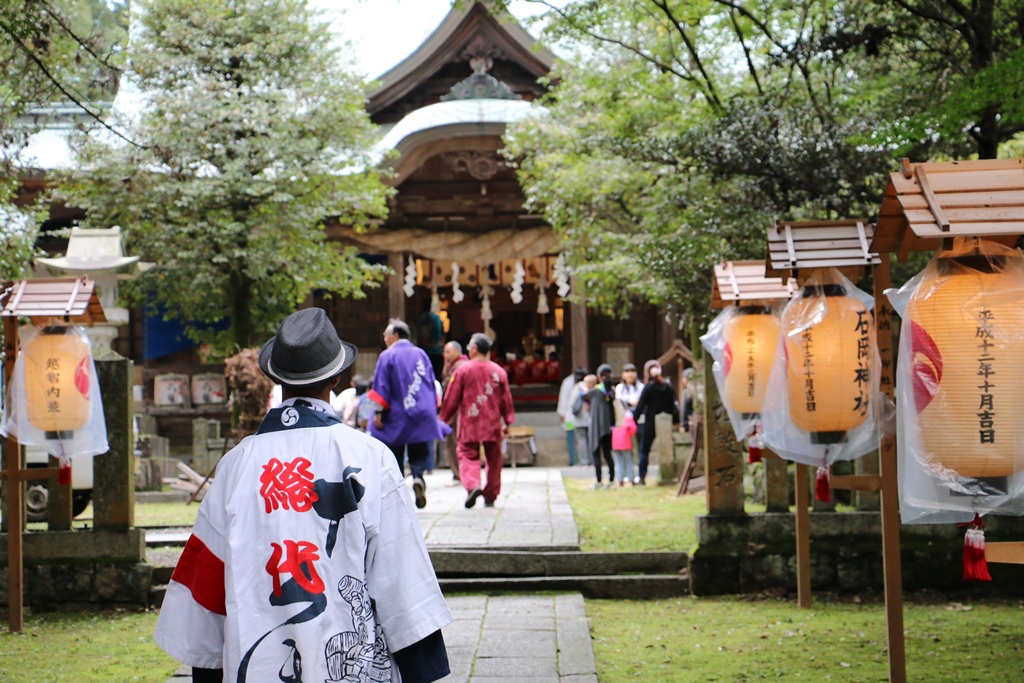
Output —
<point x="469" y="467"/>
<point x="479" y="392"/>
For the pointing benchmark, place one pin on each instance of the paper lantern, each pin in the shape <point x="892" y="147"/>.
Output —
<point x="751" y="338"/>
<point x="828" y="350"/>
<point x="58" y="366"/>
<point x="967" y="340"/>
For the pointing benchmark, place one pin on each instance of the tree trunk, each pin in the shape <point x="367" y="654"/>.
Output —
<point x="988" y="136"/>
<point x="241" y="314"/>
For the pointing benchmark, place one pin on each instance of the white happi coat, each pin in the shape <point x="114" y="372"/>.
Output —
<point x="306" y="563"/>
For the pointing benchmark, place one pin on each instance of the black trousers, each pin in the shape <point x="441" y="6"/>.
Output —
<point x="605" y="446"/>
<point x="417" y="453"/>
<point x="646" y="441"/>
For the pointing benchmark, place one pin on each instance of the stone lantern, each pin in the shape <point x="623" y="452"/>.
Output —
<point x="100" y="255"/>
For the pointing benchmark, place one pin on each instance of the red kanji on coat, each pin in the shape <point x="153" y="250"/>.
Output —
<point x="288" y="485"/>
<point x="298" y="561"/>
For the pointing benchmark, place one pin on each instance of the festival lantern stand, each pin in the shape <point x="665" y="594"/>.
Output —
<point x="71" y="300"/>
<point x="927" y="205"/>
<point x="739" y="284"/>
<point x="803" y="249"/>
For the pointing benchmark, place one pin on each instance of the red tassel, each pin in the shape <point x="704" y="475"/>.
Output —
<point x="823" y="485"/>
<point x="975" y="564"/>
<point x="753" y="454"/>
<point x="64" y="472"/>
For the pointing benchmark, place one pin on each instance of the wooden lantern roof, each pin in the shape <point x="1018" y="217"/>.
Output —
<point x="926" y="203"/>
<point x="744" y="282"/>
<point x="844" y="244"/>
<point x="45" y="298"/>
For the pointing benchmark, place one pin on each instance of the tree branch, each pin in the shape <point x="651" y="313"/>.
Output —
<point x="746" y="51"/>
<point x="709" y="84"/>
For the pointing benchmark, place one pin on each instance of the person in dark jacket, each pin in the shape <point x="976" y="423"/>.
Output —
<point x="601" y="399"/>
<point x="657" y="397"/>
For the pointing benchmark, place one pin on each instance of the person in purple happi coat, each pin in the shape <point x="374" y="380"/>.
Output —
<point x="403" y="389"/>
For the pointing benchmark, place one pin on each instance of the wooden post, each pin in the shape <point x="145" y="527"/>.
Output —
<point x="396" y="297"/>
<point x="664" y="439"/>
<point x="723" y="456"/>
<point x="776" y="481"/>
<point x="578" y="331"/>
<point x="12" y="469"/>
<point x="802" y="483"/>
<point x="890" y="486"/>
<point x="113" y="472"/>
<point x="866" y="466"/>
<point x="58" y="506"/>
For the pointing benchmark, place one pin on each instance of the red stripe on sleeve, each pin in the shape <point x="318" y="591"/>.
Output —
<point x="378" y="399"/>
<point x="202" y="573"/>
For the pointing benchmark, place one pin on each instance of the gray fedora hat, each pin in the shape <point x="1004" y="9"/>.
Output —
<point x="305" y="350"/>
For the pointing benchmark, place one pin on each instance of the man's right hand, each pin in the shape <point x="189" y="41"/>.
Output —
<point x="378" y="420"/>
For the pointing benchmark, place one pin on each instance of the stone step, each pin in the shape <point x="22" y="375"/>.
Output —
<point x="646" y="587"/>
<point x="460" y="563"/>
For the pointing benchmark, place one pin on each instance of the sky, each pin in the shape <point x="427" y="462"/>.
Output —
<point x="381" y="33"/>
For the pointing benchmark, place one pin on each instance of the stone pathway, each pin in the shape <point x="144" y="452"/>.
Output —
<point x="531" y="512"/>
<point x="511" y="639"/>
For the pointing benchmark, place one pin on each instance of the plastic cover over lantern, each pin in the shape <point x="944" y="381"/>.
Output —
<point x="825" y="403"/>
<point x="742" y="341"/>
<point x="960" y="385"/>
<point x="53" y="401"/>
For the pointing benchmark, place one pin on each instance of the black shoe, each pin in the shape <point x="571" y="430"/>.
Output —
<point x="419" y="489"/>
<point x="473" y="495"/>
<point x="488" y="503"/>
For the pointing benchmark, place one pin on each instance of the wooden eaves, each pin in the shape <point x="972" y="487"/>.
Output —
<point x="927" y="203"/>
<point x="844" y="244"/>
<point x="744" y="282"/>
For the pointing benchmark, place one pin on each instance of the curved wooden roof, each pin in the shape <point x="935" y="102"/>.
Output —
<point x="475" y="27"/>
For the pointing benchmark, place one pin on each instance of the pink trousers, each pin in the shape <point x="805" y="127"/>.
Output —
<point x="469" y="466"/>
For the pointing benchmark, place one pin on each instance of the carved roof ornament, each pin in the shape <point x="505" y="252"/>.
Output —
<point x="481" y="85"/>
<point x="480" y="165"/>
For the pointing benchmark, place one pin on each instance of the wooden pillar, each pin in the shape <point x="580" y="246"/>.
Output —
<point x="15" y="489"/>
<point x="890" y="486"/>
<point x="776" y="481"/>
<point x="578" y="331"/>
<point x="803" y="536"/>
<point x="396" y="297"/>
<point x="723" y="455"/>
<point x="113" y="493"/>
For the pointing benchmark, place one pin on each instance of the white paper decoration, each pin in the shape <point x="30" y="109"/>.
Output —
<point x="410" y="278"/>
<point x="542" y="296"/>
<point x="457" y="293"/>
<point x="561" y="276"/>
<point x="517" y="283"/>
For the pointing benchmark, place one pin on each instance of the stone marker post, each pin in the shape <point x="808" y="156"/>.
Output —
<point x="723" y="455"/>
<point x="113" y="486"/>
<point x="776" y="482"/>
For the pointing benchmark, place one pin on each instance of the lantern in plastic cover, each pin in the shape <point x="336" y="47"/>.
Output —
<point x="967" y="341"/>
<point x="828" y="361"/>
<point x="751" y="338"/>
<point x="58" y="368"/>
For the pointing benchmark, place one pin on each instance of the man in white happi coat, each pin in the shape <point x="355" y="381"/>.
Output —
<point x="306" y="563"/>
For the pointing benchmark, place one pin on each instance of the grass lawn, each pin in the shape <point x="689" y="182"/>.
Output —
<point x="634" y="518"/>
<point x="114" y="647"/>
<point x="146" y="514"/>
<point x="734" y="639"/>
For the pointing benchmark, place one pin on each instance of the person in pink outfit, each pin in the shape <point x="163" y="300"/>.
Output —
<point x="479" y="394"/>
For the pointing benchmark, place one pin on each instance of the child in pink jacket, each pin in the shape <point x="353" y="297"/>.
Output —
<point x="622" y="448"/>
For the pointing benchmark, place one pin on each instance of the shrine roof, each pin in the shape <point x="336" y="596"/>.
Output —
<point x="462" y="34"/>
<point x="843" y="244"/>
<point x="744" y="282"/>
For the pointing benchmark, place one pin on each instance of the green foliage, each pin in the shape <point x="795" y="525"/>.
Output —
<point x="252" y="135"/>
<point x="679" y="132"/>
<point x="52" y="51"/>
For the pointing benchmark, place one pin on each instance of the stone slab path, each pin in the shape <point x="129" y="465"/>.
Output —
<point x="507" y="639"/>
<point x="531" y="512"/>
